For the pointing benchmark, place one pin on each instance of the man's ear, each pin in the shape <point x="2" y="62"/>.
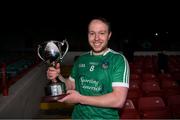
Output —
<point x="110" y="35"/>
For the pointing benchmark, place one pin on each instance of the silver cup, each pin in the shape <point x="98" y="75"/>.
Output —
<point x="51" y="52"/>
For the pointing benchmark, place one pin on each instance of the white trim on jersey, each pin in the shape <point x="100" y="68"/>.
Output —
<point x="116" y="84"/>
<point x="126" y="71"/>
<point x="106" y="52"/>
<point x="91" y="52"/>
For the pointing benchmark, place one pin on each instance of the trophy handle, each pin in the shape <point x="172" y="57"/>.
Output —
<point x="62" y="43"/>
<point x="39" y="53"/>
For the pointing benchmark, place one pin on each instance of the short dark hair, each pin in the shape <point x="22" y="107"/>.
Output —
<point x="104" y="20"/>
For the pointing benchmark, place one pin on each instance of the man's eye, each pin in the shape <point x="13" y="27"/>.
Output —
<point x="91" y="33"/>
<point x="102" y="33"/>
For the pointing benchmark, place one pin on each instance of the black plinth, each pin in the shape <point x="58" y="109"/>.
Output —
<point x="53" y="98"/>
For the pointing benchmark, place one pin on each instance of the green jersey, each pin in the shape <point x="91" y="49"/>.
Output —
<point x="96" y="75"/>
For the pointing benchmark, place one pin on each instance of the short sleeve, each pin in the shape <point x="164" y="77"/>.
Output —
<point x="120" y="73"/>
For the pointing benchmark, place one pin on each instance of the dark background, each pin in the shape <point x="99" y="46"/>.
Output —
<point x="23" y="27"/>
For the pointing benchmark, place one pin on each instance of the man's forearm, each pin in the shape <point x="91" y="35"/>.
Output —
<point x="115" y="99"/>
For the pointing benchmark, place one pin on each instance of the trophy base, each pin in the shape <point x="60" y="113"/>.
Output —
<point x="53" y="98"/>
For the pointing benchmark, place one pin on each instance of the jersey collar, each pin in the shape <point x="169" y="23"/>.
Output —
<point x="108" y="50"/>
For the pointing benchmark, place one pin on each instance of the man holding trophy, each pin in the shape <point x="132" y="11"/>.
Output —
<point x="99" y="80"/>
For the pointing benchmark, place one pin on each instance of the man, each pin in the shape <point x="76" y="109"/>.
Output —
<point x="99" y="81"/>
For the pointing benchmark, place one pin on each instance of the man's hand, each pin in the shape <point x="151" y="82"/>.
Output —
<point x="52" y="72"/>
<point x="72" y="97"/>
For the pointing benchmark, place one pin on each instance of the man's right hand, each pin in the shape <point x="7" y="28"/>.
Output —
<point x="52" y="72"/>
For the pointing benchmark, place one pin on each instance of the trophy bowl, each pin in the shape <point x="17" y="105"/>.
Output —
<point x="52" y="52"/>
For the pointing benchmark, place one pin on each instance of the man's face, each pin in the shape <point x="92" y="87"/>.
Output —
<point x="98" y="36"/>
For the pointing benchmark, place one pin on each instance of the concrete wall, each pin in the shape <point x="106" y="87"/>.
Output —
<point x="146" y="53"/>
<point x="69" y="57"/>
<point x="25" y="95"/>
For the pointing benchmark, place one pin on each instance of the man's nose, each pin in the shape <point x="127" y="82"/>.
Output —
<point x="96" y="37"/>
